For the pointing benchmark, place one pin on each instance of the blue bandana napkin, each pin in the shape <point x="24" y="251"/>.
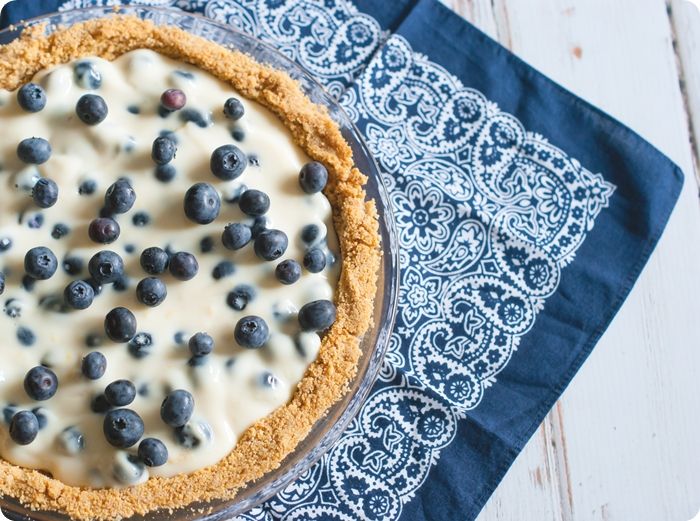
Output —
<point x="525" y="216"/>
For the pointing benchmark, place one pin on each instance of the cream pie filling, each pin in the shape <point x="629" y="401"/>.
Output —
<point x="233" y="387"/>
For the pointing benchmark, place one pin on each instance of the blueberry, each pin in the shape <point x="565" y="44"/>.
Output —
<point x="177" y="408"/>
<point x="53" y="303"/>
<point x="104" y="230"/>
<point x="2" y="283"/>
<point x="120" y="325"/>
<point x="94" y="365"/>
<point x="251" y="332"/>
<point x="123" y="428"/>
<point x="87" y="76"/>
<point x="288" y="271"/>
<point x="315" y="260"/>
<point x="73" y="266"/>
<point x="165" y="173"/>
<point x="87" y="187"/>
<point x="24" y="427"/>
<point x="40" y="263"/>
<point x="193" y="435"/>
<point x="144" y="390"/>
<point x="140" y="346"/>
<point x="129" y="248"/>
<point x="310" y="233"/>
<point x="31" y="97"/>
<point x="202" y="203"/>
<point x="13" y="308"/>
<point x="163" y="112"/>
<point x="173" y="99"/>
<point x="267" y="379"/>
<point x="254" y="203"/>
<point x="59" y="231"/>
<point x="28" y="283"/>
<point x="223" y="269"/>
<point x="120" y="197"/>
<point x="233" y="109"/>
<point x="206" y="245"/>
<point x="271" y="244"/>
<point x="317" y="315"/>
<point x="236" y="236"/>
<point x="120" y="393"/>
<point x="106" y="267"/>
<point x="240" y="296"/>
<point x="45" y="193"/>
<point x="40" y="383"/>
<point x="91" y="109"/>
<point x="234" y="193"/>
<point x="71" y="441"/>
<point x="121" y="284"/>
<point x="260" y="224"/>
<point x="283" y="310"/>
<point x="5" y="244"/>
<point x="313" y="177"/>
<point x="163" y="150"/>
<point x="34" y="150"/>
<point x="141" y="219"/>
<point x="197" y="361"/>
<point x="36" y="221"/>
<point x="99" y="404"/>
<point x="194" y="116"/>
<point x="183" y="266"/>
<point x="180" y="337"/>
<point x="96" y="286"/>
<point x="128" y="145"/>
<point x="127" y="468"/>
<point x="79" y="294"/>
<point x="8" y="412"/>
<point x="93" y="340"/>
<point x="151" y="292"/>
<point x="171" y="135"/>
<point x="228" y="162"/>
<point x="26" y="337"/>
<point x="41" y="417"/>
<point x="154" y="260"/>
<point x="238" y="134"/>
<point x="153" y="452"/>
<point x="201" y="344"/>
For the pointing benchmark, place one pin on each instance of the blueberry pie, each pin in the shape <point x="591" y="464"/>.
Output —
<point x="187" y="265"/>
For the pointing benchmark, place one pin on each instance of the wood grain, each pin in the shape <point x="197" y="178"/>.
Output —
<point x="685" y="24"/>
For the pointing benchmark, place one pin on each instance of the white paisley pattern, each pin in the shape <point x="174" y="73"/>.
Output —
<point x="488" y="215"/>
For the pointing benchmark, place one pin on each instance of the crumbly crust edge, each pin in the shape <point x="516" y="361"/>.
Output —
<point x="264" y="445"/>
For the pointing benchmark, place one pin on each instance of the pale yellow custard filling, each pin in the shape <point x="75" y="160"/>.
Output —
<point x="234" y="387"/>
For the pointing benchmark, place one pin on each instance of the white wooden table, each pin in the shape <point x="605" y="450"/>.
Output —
<point x="623" y="443"/>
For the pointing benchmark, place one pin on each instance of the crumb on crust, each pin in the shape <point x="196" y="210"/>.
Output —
<point x="263" y="446"/>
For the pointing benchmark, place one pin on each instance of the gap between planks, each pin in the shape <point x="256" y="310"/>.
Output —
<point x="676" y="9"/>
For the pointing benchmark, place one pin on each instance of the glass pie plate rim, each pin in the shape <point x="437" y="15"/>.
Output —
<point x="374" y="343"/>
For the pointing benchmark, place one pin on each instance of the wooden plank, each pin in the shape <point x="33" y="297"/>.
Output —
<point x="685" y="19"/>
<point x="626" y="421"/>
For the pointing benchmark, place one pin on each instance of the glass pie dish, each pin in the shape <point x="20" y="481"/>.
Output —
<point x="374" y="343"/>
